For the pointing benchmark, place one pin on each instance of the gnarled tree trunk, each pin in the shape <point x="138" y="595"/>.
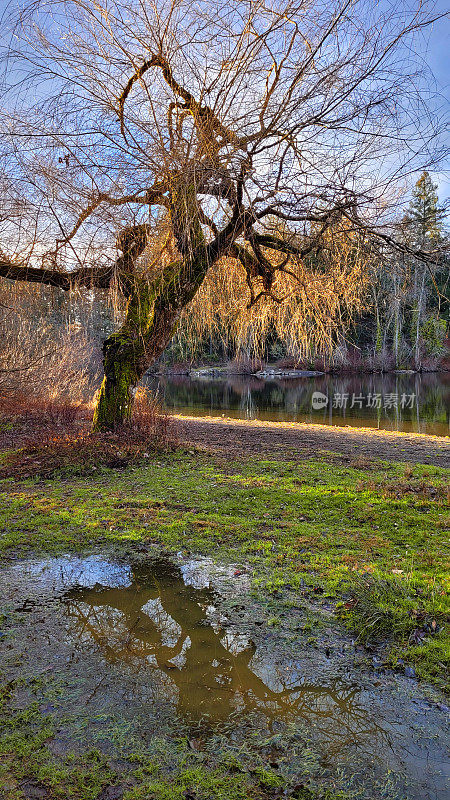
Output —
<point x="151" y="318"/>
<point x="152" y="312"/>
<point x="124" y="361"/>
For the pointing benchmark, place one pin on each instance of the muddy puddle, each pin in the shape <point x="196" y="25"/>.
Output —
<point x="181" y="646"/>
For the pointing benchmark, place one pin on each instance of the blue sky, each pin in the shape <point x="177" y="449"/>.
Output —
<point x="433" y="49"/>
<point x="436" y="53"/>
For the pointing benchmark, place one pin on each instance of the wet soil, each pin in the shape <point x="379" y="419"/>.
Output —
<point x="297" y="441"/>
<point x="181" y="647"/>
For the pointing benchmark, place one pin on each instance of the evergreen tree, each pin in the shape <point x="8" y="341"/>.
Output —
<point x="424" y="224"/>
<point x="425" y="217"/>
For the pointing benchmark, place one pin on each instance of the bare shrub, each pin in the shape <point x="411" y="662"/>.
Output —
<point x="340" y="356"/>
<point x="176" y="368"/>
<point x="291" y="362"/>
<point x="55" y="438"/>
<point x="444" y="363"/>
<point x="151" y="422"/>
<point x="42" y="361"/>
<point x="62" y="413"/>
<point x="320" y="364"/>
<point x="430" y="364"/>
<point x="29" y="420"/>
<point x="383" y="361"/>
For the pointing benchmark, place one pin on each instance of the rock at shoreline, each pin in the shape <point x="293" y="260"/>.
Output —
<point x="269" y="374"/>
<point x="265" y="374"/>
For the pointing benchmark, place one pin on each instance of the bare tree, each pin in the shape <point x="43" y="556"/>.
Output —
<point x="210" y="121"/>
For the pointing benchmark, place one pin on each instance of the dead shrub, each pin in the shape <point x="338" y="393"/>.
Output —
<point x="382" y="361"/>
<point x="291" y="362"/>
<point x="151" y="422"/>
<point x="61" y="366"/>
<point x="60" y="413"/>
<point x="29" y="420"/>
<point x="178" y="368"/>
<point x="57" y="439"/>
<point x="430" y="364"/>
<point x="320" y="364"/>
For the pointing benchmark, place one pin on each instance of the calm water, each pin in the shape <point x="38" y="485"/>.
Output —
<point x="418" y="403"/>
<point x="151" y="645"/>
<point x="163" y="619"/>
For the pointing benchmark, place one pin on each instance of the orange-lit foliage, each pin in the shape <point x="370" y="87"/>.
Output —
<point x="320" y="296"/>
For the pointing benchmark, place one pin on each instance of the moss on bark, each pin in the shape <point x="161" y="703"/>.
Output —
<point x="152" y="314"/>
<point x="123" y="357"/>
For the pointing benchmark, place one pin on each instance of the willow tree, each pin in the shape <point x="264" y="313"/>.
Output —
<point x="211" y="120"/>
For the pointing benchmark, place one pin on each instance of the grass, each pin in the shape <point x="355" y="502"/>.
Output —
<point x="374" y="537"/>
<point x="164" y="768"/>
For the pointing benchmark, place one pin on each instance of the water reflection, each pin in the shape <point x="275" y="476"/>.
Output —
<point x="148" y="647"/>
<point x="205" y="667"/>
<point x="291" y="399"/>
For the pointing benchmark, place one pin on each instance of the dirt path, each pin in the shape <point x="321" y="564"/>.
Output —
<point x="299" y="440"/>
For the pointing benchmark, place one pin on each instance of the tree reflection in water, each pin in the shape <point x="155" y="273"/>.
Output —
<point x="290" y="400"/>
<point x="208" y="670"/>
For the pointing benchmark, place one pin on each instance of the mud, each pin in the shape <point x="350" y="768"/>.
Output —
<point x="159" y="647"/>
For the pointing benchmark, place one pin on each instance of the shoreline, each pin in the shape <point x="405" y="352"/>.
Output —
<point x="271" y="373"/>
<point x="301" y="439"/>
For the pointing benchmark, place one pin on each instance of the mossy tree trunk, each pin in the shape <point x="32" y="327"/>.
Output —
<point x="152" y="314"/>
<point x="123" y="355"/>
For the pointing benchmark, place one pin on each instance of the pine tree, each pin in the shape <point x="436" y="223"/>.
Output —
<point x="424" y="224"/>
<point x="425" y="218"/>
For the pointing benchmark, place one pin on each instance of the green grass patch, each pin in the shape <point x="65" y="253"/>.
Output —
<point x="162" y="768"/>
<point x="374" y="539"/>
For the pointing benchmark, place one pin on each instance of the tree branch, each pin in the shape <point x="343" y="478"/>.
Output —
<point x="207" y="122"/>
<point x="86" y="276"/>
<point x="152" y="195"/>
<point x="131" y="241"/>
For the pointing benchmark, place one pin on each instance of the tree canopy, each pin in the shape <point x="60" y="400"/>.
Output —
<point x="262" y="135"/>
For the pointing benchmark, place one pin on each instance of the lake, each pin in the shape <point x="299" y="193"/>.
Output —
<point x="406" y="402"/>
